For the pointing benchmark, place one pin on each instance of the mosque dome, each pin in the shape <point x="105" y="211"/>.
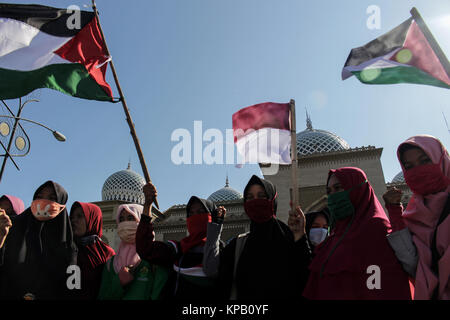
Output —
<point x="399" y="178"/>
<point x="225" y="194"/>
<point x="125" y="185"/>
<point x="311" y="141"/>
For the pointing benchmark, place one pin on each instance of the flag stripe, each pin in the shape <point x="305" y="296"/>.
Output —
<point x="266" y="145"/>
<point x="381" y="46"/>
<point x="406" y="74"/>
<point x="24" y="48"/>
<point x="376" y="63"/>
<point x="263" y="115"/>
<point x="50" y="20"/>
<point x="69" y="78"/>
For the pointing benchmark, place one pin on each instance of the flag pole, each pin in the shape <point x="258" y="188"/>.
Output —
<point x="433" y="43"/>
<point x="294" y="164"/>
<point x="125" y="107"/>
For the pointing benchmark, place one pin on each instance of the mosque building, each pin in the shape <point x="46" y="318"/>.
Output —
<point x="318" y="152"/>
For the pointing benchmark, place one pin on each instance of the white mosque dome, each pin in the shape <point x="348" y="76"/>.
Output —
<point x="311" y="141"/>
<point x="399" y="178"/>
<point x="125" y="185"/>
<point x="225" y="194"/>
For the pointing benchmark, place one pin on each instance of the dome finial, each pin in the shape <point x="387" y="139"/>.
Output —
<point x="129" y="165"/>
<point x="308" y="120"/>
<point x="227" y="184"/>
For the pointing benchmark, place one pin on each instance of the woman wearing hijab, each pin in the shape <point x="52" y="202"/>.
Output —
<point x="13" y="206"/>
<point x="355" y="262"/>
<point x="317" y="224"/>
<point x="38" y="249"/>
<point x="420" y="238"/>
<point x="125" y="275"/>
<point x="188" y="279"/>
<point x="87" y="224"/>
<point x="268" y="263"/>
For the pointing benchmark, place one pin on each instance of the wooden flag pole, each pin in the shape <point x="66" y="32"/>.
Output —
<point x="433" y="43"/>
<point x="125" y="107"/>
<point x="294" y="164"/>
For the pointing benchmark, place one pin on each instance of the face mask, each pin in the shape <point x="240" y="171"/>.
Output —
<point x="197" y="223"/>
<point x="259" y="210"/>
<point x="317" y="235"/>
<point x="43" y="209"/>
<point x="127" y="231"/>
<point x="340" y="205"/>
<point x="426" y="179"/>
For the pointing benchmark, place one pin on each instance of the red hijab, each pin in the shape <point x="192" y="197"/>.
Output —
<point x="339" y="269"/>
<point x="99" y="252"/>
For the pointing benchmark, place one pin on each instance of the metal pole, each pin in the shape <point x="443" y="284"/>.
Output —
<point x="125" y="107"/>
<point x="11" y="138"/>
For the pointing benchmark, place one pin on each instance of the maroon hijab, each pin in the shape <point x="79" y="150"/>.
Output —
<point x="339" y="269"/>
<point x="98" y="252"/>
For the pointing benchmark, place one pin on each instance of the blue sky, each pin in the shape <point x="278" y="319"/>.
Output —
<point x="185" y="60"/>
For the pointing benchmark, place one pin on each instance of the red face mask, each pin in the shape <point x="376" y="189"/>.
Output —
<point x="426" y="179"/>
<point x="197" y="223"/>
<point x="259" y="210"/>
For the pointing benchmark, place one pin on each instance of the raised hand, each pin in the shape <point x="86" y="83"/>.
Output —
<point x="221" y="212"/>
<point x="150" y="193"/>
<point x="5" y="224"/>
<point x="296" y="223"/>
<point x="392" y="196"/>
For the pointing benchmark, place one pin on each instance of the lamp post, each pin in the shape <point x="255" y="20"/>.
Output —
<point x="20" y="141"/>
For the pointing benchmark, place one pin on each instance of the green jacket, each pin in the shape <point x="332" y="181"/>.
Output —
<point x="149" y="280"/>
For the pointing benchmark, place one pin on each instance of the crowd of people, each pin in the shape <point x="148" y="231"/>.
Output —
<point x="350" y="250"/>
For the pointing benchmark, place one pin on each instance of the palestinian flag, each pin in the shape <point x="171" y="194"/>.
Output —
<point x="403" y="55"/>
<point x="44" y="47"/>
<point x="262" y="133"/>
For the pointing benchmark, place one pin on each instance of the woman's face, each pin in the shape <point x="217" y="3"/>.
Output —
<point x="320" y="222"/>
<point x="255" y="192"/>
<point x="196" y="208"/>
<point x="78" y="221"/>
<point x="126" y="216"/>
<point x="47" y="193"/>
<point x="334" y="185"/>
<point x="414" y="157"/>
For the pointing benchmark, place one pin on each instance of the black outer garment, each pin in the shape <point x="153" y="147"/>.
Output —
<point x="165" y="254"/>
<point x="36" y="254"/>
<point x="271" y="266"/>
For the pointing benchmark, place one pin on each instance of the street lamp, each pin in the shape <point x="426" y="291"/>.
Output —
<point x="22" y="142"/>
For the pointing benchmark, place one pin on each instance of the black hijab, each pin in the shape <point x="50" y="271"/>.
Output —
<point x="37" y="253"/>
<point x="311" y="216"/>
<point x="208" y="205"/>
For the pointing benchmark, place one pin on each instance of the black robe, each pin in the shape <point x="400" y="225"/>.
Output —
<point x="36" y="254"/>
<point x="272" y="266"/>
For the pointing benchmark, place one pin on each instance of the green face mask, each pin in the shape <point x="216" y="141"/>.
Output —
<point x="340" y="205"/>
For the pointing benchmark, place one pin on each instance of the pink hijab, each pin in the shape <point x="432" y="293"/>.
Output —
<point x="421" y="217"/>
<point x="126" y="254"/>
<point x="16" y="203"/>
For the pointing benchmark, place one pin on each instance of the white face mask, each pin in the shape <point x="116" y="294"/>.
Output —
<point x="317" y="235"/>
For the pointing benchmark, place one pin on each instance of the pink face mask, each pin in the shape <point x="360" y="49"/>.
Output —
<point x="127" y="231"/>
<point x="44" y="209"/>
<point x="426" y="179"/>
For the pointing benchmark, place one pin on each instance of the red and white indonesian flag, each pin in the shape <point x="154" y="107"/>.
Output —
<point x="262" y="133"/>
